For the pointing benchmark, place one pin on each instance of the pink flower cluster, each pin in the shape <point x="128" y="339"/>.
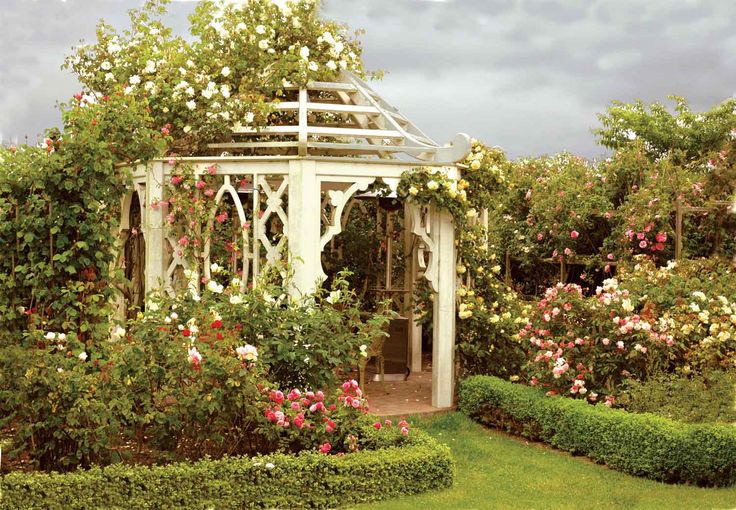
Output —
<point x="302" y="404"/>
<point x="647" y="239"/>
<point x="403" y="426"/>
<point x="352" y="396"/>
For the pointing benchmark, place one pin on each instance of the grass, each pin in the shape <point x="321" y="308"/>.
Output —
<point x="499" y="471"/>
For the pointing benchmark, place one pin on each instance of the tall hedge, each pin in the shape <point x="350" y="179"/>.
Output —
<point x="639" y="444"/>
<point x="307" y="480"/>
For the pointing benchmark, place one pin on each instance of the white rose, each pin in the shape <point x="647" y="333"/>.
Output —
<point x="304" y="52"/>
<point x="260" y="29"/>
<point x="134" y="80"/>
<point x="225" y="71"/>
<point x="191" y="105"/>
<point x="106" y="66"/>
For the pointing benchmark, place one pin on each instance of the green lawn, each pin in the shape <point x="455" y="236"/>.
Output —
<point x="498" y="471"/>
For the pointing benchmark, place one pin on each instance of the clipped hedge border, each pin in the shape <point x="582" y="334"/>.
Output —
<point x="639" y="444"/>
<point x="307" y="480"/>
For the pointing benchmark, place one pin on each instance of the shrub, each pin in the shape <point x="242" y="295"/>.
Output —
<point x="301" y="343"/>
<point x="639" y="444"/>
<point x="306" y="420"/>
<point x="698" y="398"/>
<point x="586" y="346"/>
<point x="307" y="480"/>
<point x="63" y="412"/>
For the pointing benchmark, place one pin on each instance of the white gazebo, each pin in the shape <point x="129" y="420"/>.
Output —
<point x="335" y="140"/>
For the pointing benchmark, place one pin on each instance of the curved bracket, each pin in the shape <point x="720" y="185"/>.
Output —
<point x="339" y="200"/>
<point x="422" y="228"/>
<point x="457" y="150"/>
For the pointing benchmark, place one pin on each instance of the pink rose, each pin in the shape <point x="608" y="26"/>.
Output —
<point x="574" y="234"/>
<point x="643" y="244"/>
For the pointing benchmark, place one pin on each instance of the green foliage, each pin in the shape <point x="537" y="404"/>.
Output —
<point x="308" y="480"/>
<point x="64" y="414"/>
<point x="706" y="398"/>
<point x="594" y="215"/>
<point x="57" y="230"/>
<point x="687" y="134"/>
<point x="300" y="342"/>
<point x="639" y="444"/>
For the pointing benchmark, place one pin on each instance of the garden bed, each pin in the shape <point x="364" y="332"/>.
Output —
<point x="639" y="444"/>
<point x="307" y="480"/>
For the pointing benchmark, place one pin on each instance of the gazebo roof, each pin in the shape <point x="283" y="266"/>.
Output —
<point x="345" y="118"/>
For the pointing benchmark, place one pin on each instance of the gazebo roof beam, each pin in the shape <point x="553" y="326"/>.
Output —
<point x="327" y="107"/>
<point x="322" y="131"/>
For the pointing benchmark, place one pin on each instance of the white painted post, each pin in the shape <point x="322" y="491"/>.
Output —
<point x="410" y="278"/>
<point x="304" y="226"/>
<point x="153" y="228"/>
<point x="443" y="345"/>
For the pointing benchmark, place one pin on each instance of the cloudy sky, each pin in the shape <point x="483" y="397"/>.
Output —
<point x="527" y="75"/>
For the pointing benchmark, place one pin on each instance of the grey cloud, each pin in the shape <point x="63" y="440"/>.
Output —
<point x="529" y="75"/>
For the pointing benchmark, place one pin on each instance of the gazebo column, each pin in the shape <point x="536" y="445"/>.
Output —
<point x="303" y="231"/>
<point x="153" y="228"/>
<point x="443" y="345"/>
<point x="410" y="278"/>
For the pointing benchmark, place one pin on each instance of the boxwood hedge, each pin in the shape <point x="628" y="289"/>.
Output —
<point x="306" y="480"/>
<point x="640" y="444"/>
